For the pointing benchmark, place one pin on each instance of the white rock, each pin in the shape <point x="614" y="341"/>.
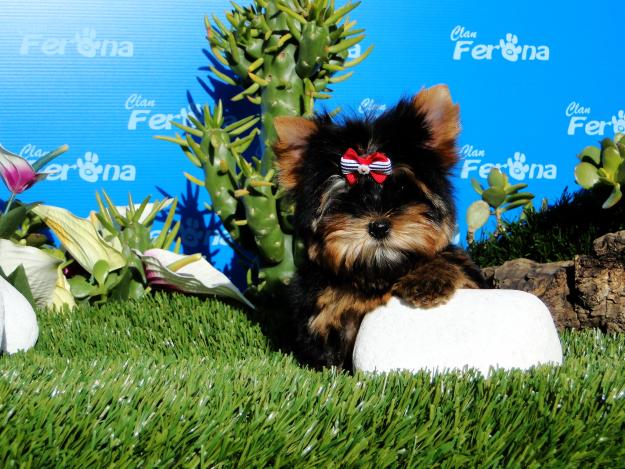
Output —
<point x="475" y="329"/>
<point x="18" y="322"/>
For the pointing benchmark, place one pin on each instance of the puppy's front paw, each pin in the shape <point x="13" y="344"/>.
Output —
<point x="426" y="291"/>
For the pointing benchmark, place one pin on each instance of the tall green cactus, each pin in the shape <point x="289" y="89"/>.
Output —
<point x="284" y="54"/>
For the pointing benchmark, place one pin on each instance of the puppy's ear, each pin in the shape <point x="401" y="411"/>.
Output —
<point x="443" y="119"/>
<point x="293" y="136"/>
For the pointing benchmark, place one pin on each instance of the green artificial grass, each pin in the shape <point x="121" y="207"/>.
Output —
<point x="181" y="382"/>
<point x="565" y="228"/>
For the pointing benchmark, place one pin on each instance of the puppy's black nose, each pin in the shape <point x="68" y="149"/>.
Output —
<point x="379" y="228"/>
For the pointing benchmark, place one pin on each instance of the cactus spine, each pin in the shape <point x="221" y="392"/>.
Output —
<point x="284" y="54"/>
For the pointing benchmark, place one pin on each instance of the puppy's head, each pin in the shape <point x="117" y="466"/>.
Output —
<point x="363" y="219"/>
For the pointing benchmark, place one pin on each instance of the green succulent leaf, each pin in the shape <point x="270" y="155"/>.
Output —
<point x="515" y="204"/>
<point x="80" y="287"/>
<point x="100" y="271"/>
<point x="591" y="154"/>
<point x="477" y="214"/>
<point x="620" y="174"/>
<point x="615" y="196"/>
<point x="586" y="175"/>
<point x="515" y="188"/>
<point x="128" y="288"/>
<point x="497" y="179"/>
<point x="607" y="143"/>
<point x="494" y="196"/>
<point x="477" y="187"/>
<point x="606" y="181"/>
<point x="611" y="160"/>
<point x="523" y="196"/>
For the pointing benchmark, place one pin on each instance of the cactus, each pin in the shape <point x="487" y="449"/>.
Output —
<point x="603" y="167"/>
<point x="284" y="54"/>
<point x="499" y="197"/>
<point x="128" y="230"/>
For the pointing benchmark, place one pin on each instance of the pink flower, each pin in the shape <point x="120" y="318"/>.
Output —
<point x="17" y="173"/>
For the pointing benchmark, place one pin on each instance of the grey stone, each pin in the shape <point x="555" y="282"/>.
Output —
<point x="587" y="291"/>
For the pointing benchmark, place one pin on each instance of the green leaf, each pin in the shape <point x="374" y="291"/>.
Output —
<point x="100" y="271"/>
<point x="19" y="280"/>
<point x="497" y="179"/>
<point x="515" y="188"/>
<point x="620" y="174"/>
<point x="607" y="143"/>
<point x="615" y="196"/>
<point x="494" y="196"/>
<point x="36" y="239"/>
<point x="586" y="175"/>
<point x="515" y="204"/>
<point x="128" y="288"/>
<point x="611" y="160"/>
<point x="477" y="187"/>
<point x="80" y="287"/>
<point x="112" y="281"/>
<point x="527" y="208"/>
<point x="10" y="222"/>
<point x="591" y="154"/>
<point x="525" y="196"/>
<point x="477" y="214"/>
<point x="47" y="158"/>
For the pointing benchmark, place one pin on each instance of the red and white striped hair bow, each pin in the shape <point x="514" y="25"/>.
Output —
<point x="377" y="164"/>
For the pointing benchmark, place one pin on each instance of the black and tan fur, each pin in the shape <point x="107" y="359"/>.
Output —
<point x="367" y="242"/>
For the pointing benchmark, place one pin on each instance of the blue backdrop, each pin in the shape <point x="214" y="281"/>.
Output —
<point x="536" y="81"/>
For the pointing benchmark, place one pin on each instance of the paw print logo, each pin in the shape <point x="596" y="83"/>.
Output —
<point x="86" y="44"/>
<point x="89" y="170"/>
<point x="618" y="123"/>
<point x="517" y="168"/>
<point x="510" y="49"/>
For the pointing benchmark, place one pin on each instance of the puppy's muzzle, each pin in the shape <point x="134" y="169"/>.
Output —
<point x="379" y="229"/>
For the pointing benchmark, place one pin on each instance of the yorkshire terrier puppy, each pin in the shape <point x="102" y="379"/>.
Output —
<point x="375" y="212"/>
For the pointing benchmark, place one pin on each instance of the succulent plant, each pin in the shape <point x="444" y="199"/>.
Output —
<point x="603" y="167"/>
<point x="284" y="54"/>
<point x="102" y="253"/>
<point x="111" y="256"/>
<point x="499" y="197"/>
